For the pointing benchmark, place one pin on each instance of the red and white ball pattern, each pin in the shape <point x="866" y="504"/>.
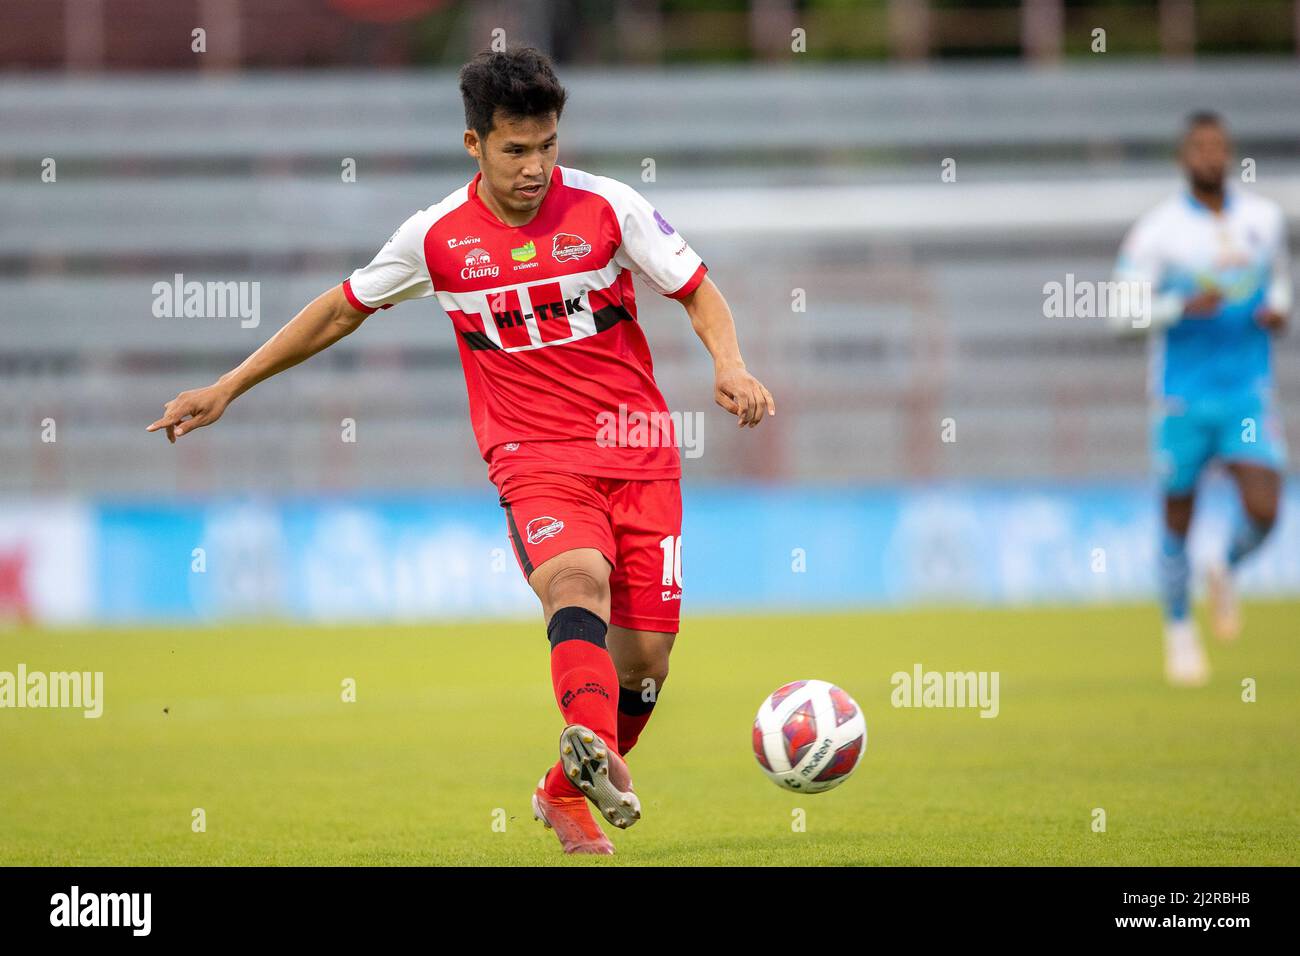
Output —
<point x="809" y="735"/>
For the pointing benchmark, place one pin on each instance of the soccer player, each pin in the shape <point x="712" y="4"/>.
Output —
<point x="1215" y="259"/>
<point x="533" y="264"/>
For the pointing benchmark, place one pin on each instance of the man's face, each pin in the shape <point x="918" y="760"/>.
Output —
<point x="516" y="159"/>
<point x="1205" y="155"/>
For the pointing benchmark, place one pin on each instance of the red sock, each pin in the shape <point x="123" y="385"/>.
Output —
<point x="586" y="687"/>
<point x="629" y="730"/>
<point x="633" y="714"/>
<point x="559" y="785"/>
<point x="584" y="680"/>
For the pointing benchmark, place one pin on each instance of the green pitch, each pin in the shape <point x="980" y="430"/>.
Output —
<point x="452" y="726"/>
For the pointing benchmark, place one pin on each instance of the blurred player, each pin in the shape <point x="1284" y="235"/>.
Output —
<point x="533" y="264"/>
<point x="1216" y="262"/>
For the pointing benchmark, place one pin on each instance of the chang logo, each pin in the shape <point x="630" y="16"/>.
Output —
<point x="478" y="265"/>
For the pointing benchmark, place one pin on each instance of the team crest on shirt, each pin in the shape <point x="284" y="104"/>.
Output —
<point x="539" y="529"/>
<point x="567" y="246"/>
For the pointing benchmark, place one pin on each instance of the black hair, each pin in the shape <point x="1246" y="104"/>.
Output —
<point x="1200" y="118"/>
<point x="520" y="83"/>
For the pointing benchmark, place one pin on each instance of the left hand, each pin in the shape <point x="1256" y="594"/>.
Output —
<point x="1271" y="319"/>
<point x="742" y="395"/>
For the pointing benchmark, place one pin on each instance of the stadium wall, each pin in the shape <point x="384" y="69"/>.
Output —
<point x="446" y="555"/>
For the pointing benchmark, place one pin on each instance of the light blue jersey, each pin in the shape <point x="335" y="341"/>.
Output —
<point x="1211" y="378"/>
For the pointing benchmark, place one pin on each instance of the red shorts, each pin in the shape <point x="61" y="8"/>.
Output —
<point x="635" y="524"/>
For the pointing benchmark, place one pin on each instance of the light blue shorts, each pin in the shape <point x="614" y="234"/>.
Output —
<point x="1188" y="433"/>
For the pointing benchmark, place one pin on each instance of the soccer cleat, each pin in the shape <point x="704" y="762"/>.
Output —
<point x="1225" y="613"/>
<point x="1185" y="662"/>
<point x="571" y="821"/>
<point x="600" y="774"/>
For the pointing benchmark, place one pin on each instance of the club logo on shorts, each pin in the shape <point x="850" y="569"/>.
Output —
<point x="567" y="246"/>
<point x="539" y="529"/>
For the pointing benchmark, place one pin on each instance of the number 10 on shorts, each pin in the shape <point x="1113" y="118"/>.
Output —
<point x="672" y="549"/>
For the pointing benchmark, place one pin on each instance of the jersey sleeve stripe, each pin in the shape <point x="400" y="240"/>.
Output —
<point x="354" y="301"/>
<point x="691" y="284"/>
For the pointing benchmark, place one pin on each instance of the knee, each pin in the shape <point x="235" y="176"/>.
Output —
<point x="1178" y="515"/>
<point x="1262" y="514"/>
<point x="646" y="674"/>
<point x="647" y="666"/>
<point x="576" y="586"/>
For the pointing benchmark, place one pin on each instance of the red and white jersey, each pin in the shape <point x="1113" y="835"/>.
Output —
<point x="545" y="319"/>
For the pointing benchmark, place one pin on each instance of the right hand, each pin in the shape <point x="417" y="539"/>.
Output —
<point x="1204" y="304"/>
<point x="742" y="395"/>
<point x="191" y="410"/>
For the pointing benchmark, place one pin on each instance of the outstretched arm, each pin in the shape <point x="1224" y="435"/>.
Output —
<point x="733" y="387"/>
<point x="323" y="322"/>
<point x="1276" y="310"/>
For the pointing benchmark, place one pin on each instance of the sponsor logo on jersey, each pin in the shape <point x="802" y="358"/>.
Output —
<point x="511" y="446"/>
<point x="539" y="529"/>
<point x="525" y="252"/>
<point x="478" y="265"/>
<point x="567" y="246"/>
<point x="506" y="318"/>
<point x="467" y="241"/>
<point x="664" y="227"/>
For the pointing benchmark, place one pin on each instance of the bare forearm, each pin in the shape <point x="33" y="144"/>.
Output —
<point x="734" y="389"/>
<point x="713" y="323"/>
<point x="324" y="321"/>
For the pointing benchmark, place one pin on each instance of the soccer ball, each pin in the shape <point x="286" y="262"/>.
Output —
<point x="809" y="735"/>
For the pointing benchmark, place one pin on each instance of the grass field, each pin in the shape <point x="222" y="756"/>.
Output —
<point x="455" y="723"/>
